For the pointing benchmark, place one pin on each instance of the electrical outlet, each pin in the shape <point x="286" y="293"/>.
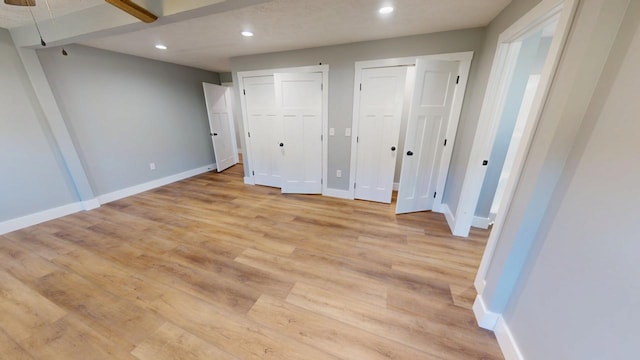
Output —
<point x="152" y="166"/>
<point x="332" y="131"/>
<point x="347" y="132"/>
<point x="338" y="173"/>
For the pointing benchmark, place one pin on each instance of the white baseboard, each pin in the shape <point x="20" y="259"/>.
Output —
<point x="480" y="222"/>
<point x="50" y="214"/>
<point x="486" y="319"/>
<point x="249" y="180"/>
<point x="39" y="217"/>
<point x="451" y="220"/>
<point x="507" y="342"/>
<point x="337" y="193"/>
<point x="136" y="189"/>
<point x="90" y="204"/>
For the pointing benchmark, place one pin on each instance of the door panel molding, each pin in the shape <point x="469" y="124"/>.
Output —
<point x="464" y="59"/>
<point x="250" y="151"/>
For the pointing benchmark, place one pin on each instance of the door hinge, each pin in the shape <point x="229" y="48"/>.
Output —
<point x="458" y="79"/>
<point x="434" y="195"/>
<point x="253" y="173"/>
<point x="249" y="133"/>
<point x="321" y="137"/>
<point x="357" y="139"/>
<point x="320" y="181"/>
<point x="445" y="142"/>
<point x="244" y="92"/>
<point x="354" y="185"/>
<point x="360" y="86"/>
<point x="321" y="86"/>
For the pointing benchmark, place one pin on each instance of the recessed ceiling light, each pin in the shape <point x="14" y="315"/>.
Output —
<point x="161" y="47"/>
<point x="386" y="10"/>
<point x="247" y="33"/>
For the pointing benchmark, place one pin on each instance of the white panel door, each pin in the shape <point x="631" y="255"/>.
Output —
<point x="265" y="128"/>
<point x="379" y="116"/>
<point x="426" y="129"/>
<point x="299" y="102"/>
<point x="223" y="134"/>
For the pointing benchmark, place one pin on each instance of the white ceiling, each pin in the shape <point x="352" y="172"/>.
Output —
<point x="208" y="42"/>
<point x="13" y="16"/>
<point x="207" y="32"/>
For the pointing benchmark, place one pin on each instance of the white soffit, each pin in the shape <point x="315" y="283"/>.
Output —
<point x="13" y="16"/>
<point x="208" y="42"/>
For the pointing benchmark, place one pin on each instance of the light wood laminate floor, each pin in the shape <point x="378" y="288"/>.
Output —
<point x="210" y="268"/>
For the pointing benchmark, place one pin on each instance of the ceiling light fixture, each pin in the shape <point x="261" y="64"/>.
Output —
<point x="161" y="47"/>
<point x="247" y="33"/>
<point x="385" y="10"/>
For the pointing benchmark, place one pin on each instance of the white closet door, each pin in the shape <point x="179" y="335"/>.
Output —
<point x="265" y="127"/>
<point x="299" y="102"/>
<point x="221" y="124"/>
<point x="379" y="116"/>
<point x="426" y="129"/>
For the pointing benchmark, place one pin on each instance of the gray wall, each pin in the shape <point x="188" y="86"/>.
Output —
<point x="124" y="112"/>
<point x="578" y="296"/>
<point x="473" y="104"/>
<point x="32" y="175"/>
<point x="341" y="60"/>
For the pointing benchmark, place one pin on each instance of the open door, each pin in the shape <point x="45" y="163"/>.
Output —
<point x="299" y="104"/>
<point x="219" y="110"/>
<point x="426" y="131"/>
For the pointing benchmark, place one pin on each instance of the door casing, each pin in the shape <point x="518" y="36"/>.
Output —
<point x="464" y="59"/>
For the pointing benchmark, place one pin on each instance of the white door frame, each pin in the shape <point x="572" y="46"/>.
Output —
<point x="540" y="16"/>
<point x="452" y="127"/>
<point x="324" y="69"/>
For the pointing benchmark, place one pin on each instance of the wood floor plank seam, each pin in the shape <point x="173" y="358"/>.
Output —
<point x="210" y="267"/>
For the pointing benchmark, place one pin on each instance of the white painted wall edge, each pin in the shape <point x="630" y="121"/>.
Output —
<point x="50" y="214"/>
<point x="448" y="214"/>
<point x="337" y="193"/>
<point x="480" y="222"/>
<point x="39" y="217"/>
<point x="495" y="322"/>
<point x="486" y="319"/>
<point x="507" y="342"/>
<point x="136" y="189"/>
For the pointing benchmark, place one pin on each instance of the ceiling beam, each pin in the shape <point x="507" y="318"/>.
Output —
<point x="106" y="20"/>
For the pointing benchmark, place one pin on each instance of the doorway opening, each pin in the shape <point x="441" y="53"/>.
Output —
<point x="406" y="114"/>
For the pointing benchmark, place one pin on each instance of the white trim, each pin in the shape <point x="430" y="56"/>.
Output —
<point x="39" y="217"/>
<point x="136" y="189"/>
<point x="508" y="344"/>
<point x="456" y="108"/>
<point x="564" y="23"/>
<point x="448" y="214"/>
<point x="499" y="79"/>
<point x="396" y="185"/>
<point x="337" y="193"/>
<point x="486" y="319"/>
<point x="90" y="204"/>
<point x="481" y="222"/>
<point x="324" y="69"/>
